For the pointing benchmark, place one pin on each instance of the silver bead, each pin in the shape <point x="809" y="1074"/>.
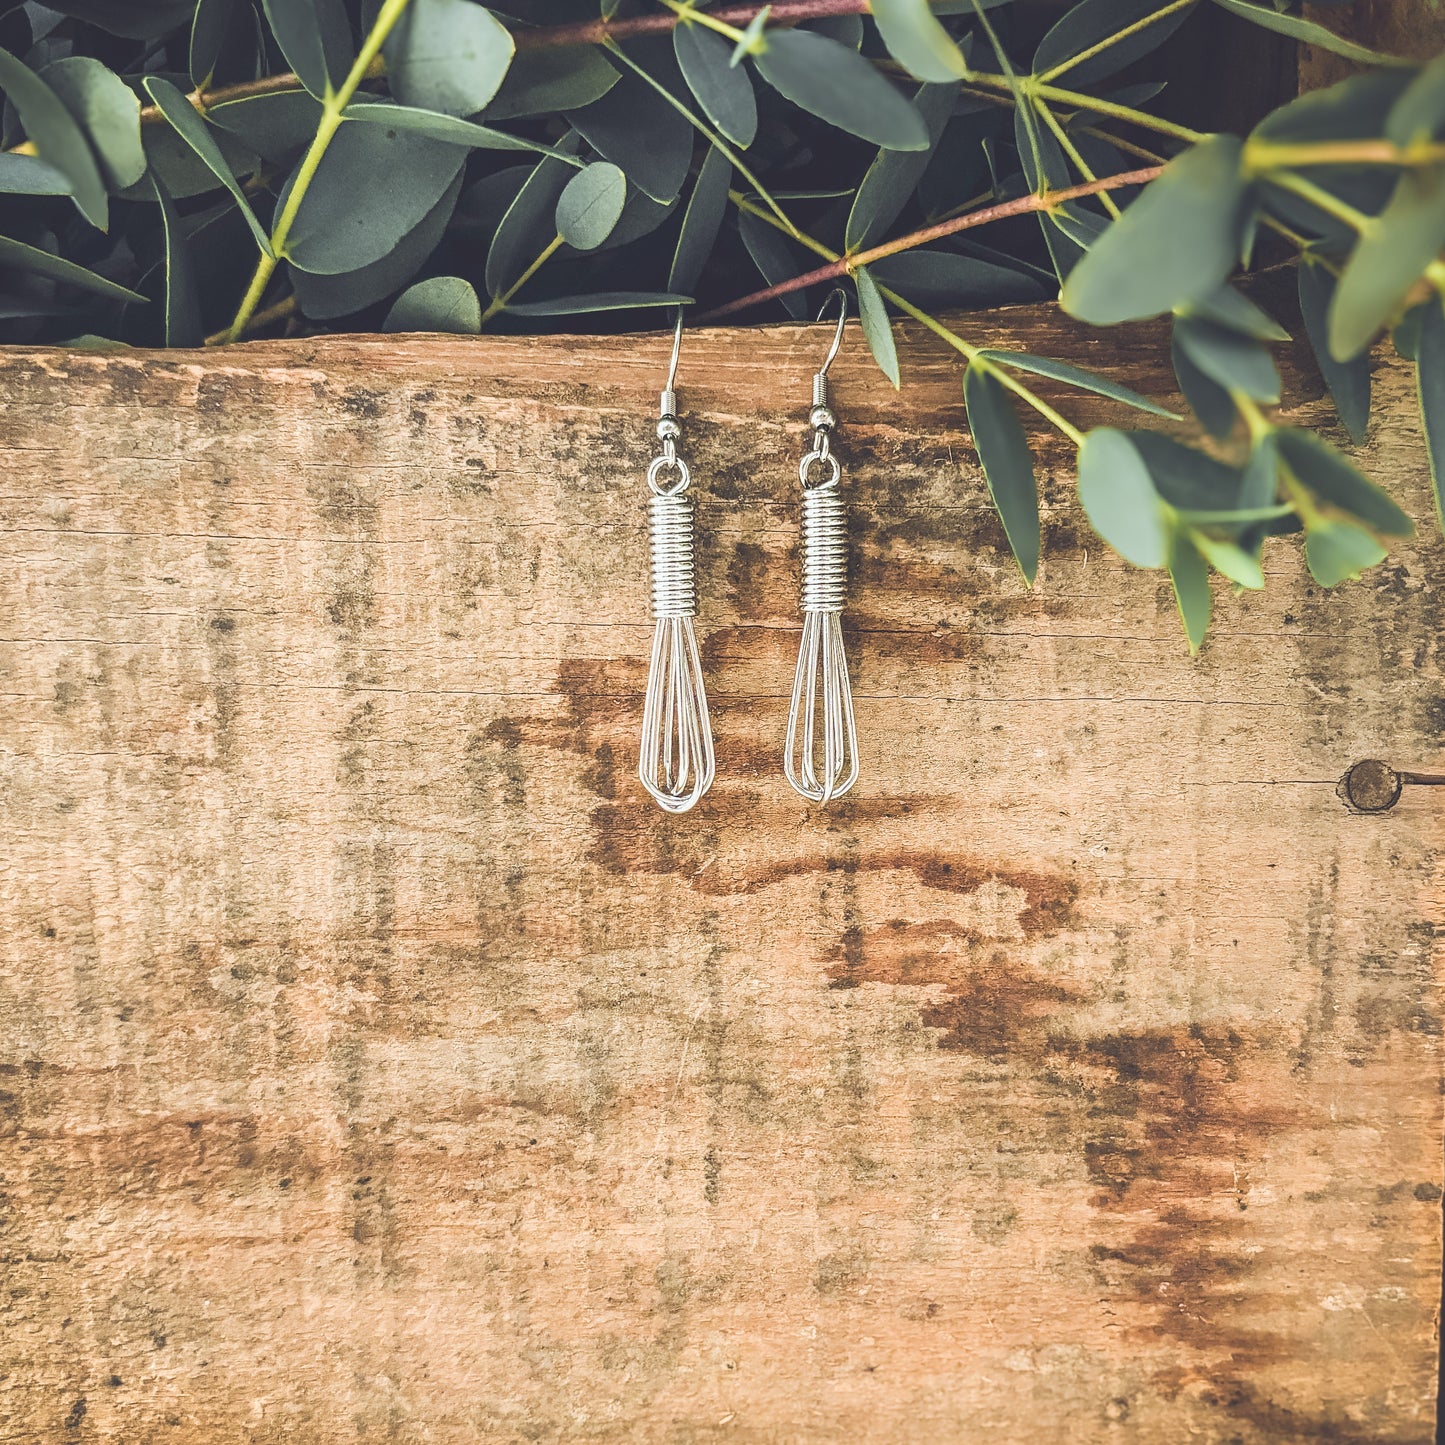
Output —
<point x="822" y="419"/>
<point x="668" y="429"/>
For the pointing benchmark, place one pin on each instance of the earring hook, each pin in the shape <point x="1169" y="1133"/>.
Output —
<point x="669" y="392"/>
<point x="842" y="298"/>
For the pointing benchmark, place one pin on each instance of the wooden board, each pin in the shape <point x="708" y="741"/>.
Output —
<point x="380" y="1064"/>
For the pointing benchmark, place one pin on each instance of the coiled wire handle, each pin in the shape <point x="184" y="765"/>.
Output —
<point x="820" y="758"/>
<point x="677" y="762"/>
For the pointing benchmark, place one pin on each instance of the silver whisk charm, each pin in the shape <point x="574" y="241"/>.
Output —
<point x="677" y="763"/>
<point x="820" y="758"/>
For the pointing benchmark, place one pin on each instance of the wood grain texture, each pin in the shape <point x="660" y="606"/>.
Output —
<point x="379" y="1064"/>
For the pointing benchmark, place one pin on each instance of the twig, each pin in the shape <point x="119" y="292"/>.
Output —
<point x="1041" y="201"/>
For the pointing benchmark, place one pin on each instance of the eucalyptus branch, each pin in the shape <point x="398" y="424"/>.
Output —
<point x="1067" y="145"/>
<point x="843" y="266"/>
<point x="333" y="110"/>
<point x="1110" y="40"/>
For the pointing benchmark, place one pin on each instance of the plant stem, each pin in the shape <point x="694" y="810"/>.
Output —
<point x="1321" y="199"/>
<point x="499" y="303"/>
<point x="1111" y="40"/>
<point x="277" y="311"/>
<point x="1067" y="145"/>
<point x="845" y="265"/>
<point x="686" y="12"/>
<point x="333" y="110"/>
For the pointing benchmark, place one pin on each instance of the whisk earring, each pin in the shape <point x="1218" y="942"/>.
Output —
<point x="677" y="763"/>
<point x="820" y="758"/>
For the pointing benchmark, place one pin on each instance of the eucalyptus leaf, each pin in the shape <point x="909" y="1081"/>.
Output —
<point x="1393" y="250"/>
<point x="1078" y="376"/>
<point x="1348" y="381"/>
<point x="1096" y="38"/>
<point x="634" y="127"/>
<point x="315" y="37"/>
<point x="1307" y="31"/>
<point x="839" y="86"/>
<point x="448" y="129"/>
<point x="1185" y="477"/>
<point x="209" y="28"/>
<point x="1119" y="499"/>
<point x="1419" y="112"/>
<point x="1008" y="467"/>
<point x="325" y="297"/>
<point x="1229" y="558"/>
<point x="447" y="55"/>
<point x="183" y="306"/>
<point x="275" y="126"/>
<point x="107" y="110"/>
<point x="29" y="176"/>
<point x="540" y="82"/>
<point x="894" y="175"/>
<point x="701" y="221"/>
<point x="775" y="259"/>
<point x="918" y="42"/>
<point x="1210" y="401"/>
<point x="346" y="220"/>
<point x="1190" y="578"/>
<point x="1336" y="551"/>
<point x="1176" y="243"/>
<point x="41" y="263"/>
<point x="1231" y="360"/>
<point x="193" y="130"/>
<point x="723" y="90"/>
<point x="1334" y="479"/>
<point x="591" y="205"/>
<point x="877" y="329"/>
<point x="928" y="277"/>
<point x="59" y="140"/>
<point x="131" y="19"/>
<point x="1231" y="308"/>
<point x="600" y="301"/>
<point x="527" y="226"/>
<point x="440" y="303"/>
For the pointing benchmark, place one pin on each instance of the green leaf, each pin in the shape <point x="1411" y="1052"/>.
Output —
<point x="1176" y="243"/>
<point x="1210" y="402"/>
<point x="1394" y="249"/>
<point x="600" y="301"/>
<point x="1191" y="587"/>
<point x="634" y="127"/>
<point x="1185" y="477"/>
<point x="1235" y="362"/>
<point x="448" y="129"/>
<point x="641" y="215"/>
<point x="107" y="110"/>
<point x="1088" y="25"/>
<point x="315" y="37"/>
<point x="723" y="90"/>
<point x="1078" y="376"/>
<point x="1430" y="387"/>
<point x="193" y="130"/>
<point x="447" y="55"/>
<point x="1119" y="499"/>
<point x="945" y="278"/>
<point x="1348" y="381"/>
<point x="543" y="81"/>
<point x="1336" y="551"/>
<point x="1231" y="308"/>
<point x="839" y="86"/>
<point x="894" y="175"/>
<point x="1307" y="31"/>
<point x="702" y="221"/>
<point x="27" y="176"/>
<point x="59" y="140"/>
<point x="527" y="225"/>
<point x="1420" y="110"/>
<point x="274" y="126"/>
<point x="441" y="303"/>
<point x="209" y="27"/>
<point x="1333" y="478"/>
<point x="183" y="307"/>
<point x="42" y="263"/>
<point x="918" y="42"/>
<point x="324" y="298"/>
<point x="347" y="219"/>
<point x="591" y="205"/>
<point x="131" y="19"/>
<point x="751" y="40"/>
<point x="1229" y="558"/>
<point x="775" y="259"/>
<point x="877" y="328"/>
<point x="1008" y="467"/>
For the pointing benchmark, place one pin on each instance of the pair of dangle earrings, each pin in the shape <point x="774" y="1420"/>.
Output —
<point x="820" y="755"/>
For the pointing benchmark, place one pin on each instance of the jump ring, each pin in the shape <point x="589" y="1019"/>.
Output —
<point x="662" y="464"/>
<point x="835" y="471"/>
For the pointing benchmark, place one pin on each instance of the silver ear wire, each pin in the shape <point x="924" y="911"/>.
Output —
<point x="676" y="763"/>
<point x="821" y="761"/>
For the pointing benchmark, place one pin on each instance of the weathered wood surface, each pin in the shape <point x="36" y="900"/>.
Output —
<point x="379" y="1064"/>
